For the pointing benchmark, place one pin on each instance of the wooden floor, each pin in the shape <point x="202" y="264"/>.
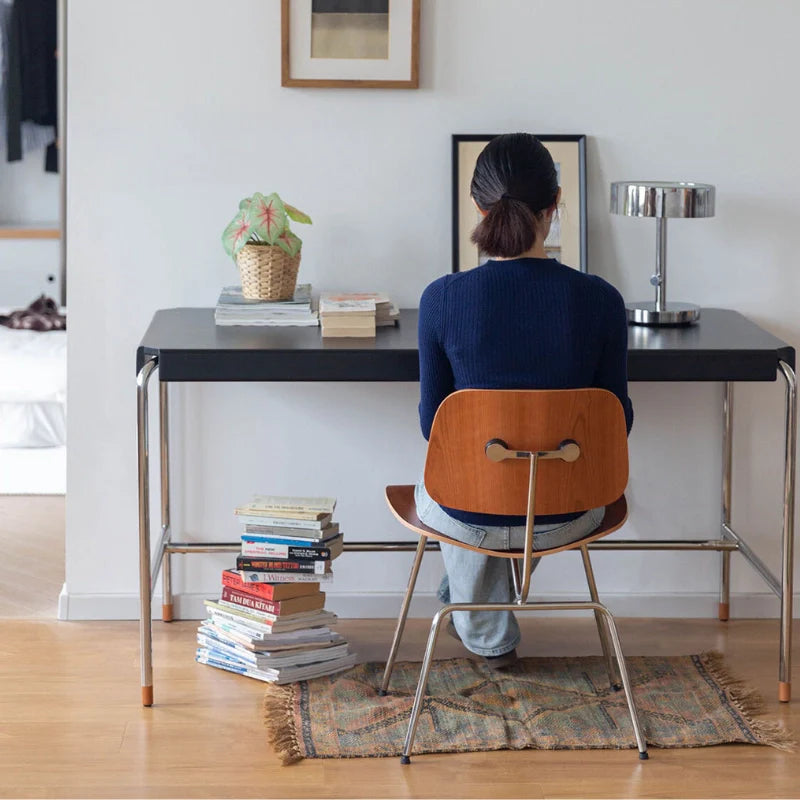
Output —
<point x="32" y="562"/>
<point x="71" y="724"/>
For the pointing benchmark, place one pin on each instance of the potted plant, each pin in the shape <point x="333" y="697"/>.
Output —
<point x="265" y="249"/>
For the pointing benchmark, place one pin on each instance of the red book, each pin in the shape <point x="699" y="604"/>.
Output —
<point x="268" y="591"/>
<point x="294" y="605"/>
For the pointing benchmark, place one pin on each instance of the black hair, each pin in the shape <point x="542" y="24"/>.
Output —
<point x="515" y="180"/>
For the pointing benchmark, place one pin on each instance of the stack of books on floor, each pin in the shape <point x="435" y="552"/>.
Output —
<point x="233" y="308"/>
<point x="270" y="622"/>
<point x="355" y="314"/>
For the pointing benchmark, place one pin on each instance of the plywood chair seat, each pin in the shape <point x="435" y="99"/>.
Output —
<point x="402" y="505"/>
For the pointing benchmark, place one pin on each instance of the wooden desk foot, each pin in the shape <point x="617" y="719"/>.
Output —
<point x="784" y="691"/>
<point x="147" y="695"/>
<point x="724" y="610"/>
<point x="166" y="612"/>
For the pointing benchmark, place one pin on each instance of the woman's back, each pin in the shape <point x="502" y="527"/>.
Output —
<point x="526" y="323"/>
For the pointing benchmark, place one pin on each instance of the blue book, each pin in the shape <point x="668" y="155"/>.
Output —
<point x="298" y="536"/>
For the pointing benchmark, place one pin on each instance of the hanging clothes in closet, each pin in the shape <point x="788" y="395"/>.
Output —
<point x="30" y="75"/>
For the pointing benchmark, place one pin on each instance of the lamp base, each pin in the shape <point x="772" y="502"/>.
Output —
<point x="645" y="313"/>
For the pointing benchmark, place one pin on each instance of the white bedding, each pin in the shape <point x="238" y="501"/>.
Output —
<point x="33" y="388"/>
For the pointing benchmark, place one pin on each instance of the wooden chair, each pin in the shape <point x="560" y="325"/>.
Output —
<point x="518" y="452"/>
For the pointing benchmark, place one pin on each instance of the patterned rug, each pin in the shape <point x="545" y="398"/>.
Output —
<point x="541" y="703"/>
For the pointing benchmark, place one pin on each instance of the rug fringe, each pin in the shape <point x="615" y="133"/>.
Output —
<point x="279" y="720"/>
<point x="749" y="703"/>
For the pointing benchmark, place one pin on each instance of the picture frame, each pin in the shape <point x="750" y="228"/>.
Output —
<point x="568" y="239"/>
<point x="361" y="44"/>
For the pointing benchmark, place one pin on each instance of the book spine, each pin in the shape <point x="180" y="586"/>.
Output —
<point x="248" y="601"/>
<point x="289" y="509"/>
<point x="282" y="522"/>
<point x="253" y="547"/>
<point x="249" y="577"/>
<point x="286" y="517"/>
<point x="251" y="620"/>
<point x="292" y="536"/>
<point x="249" y="563"/>
<point x="234" y="580"/>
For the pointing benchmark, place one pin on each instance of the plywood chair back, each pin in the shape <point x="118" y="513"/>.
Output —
<point x="459" y="475"/>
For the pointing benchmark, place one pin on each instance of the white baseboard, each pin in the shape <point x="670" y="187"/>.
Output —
<point x="387" y="605"/>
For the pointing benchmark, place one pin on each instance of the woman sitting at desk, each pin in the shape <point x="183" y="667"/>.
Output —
<point x="519" y="321"/>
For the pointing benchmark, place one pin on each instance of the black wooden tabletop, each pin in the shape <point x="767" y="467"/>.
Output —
<point x="722" y="346"/>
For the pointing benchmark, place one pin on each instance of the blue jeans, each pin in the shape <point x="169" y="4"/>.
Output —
<point x="476" y="578"/>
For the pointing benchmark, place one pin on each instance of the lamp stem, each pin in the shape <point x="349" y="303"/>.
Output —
<point x="660" y="278"/>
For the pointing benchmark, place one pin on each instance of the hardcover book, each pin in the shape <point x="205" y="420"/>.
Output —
<point x="250" y="563"/>
<point x="269" y="591"/>
<point x="249" y="576"/>
<point x="260" y="547"/>
<point x="280" y="608"/>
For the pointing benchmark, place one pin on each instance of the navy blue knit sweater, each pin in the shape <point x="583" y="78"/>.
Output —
<point x="526" y="323"/>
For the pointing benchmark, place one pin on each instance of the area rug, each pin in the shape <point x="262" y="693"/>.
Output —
<point x="541" y="703"/>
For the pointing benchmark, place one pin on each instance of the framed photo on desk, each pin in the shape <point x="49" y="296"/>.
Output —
<point x="567" y="239"/>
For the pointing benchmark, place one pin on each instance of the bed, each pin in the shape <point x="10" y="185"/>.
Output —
<point x="33" y="388"/>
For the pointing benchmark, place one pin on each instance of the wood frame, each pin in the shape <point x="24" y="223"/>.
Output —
<point x="347" y="83"/>
<point x="574" y="200"/>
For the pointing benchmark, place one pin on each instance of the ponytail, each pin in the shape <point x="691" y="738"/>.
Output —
<point x="507" y="230"/>
<point x="514" y="181"/>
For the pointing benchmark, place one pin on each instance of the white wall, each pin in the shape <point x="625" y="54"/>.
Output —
<point x="176" y="112"/>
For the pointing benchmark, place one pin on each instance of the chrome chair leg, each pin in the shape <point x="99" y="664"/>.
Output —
<point x="514" y="567"/>
<point x="549" y="606"/>
<point x="613" y="676"/>
<point x="422" y="684"/>
<point x="401" y="620"/>
<point x="626" y="683"/>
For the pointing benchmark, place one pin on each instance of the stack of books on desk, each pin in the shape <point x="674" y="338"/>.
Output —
<point x="270" y="622"/>
<point x="355" y="314"/>
<point x="233" y="308"/>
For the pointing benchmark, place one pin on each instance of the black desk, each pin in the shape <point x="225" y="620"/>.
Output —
<point x="185" y="345"/>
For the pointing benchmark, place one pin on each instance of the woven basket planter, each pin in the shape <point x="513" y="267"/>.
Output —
<point x="267" y="272"/>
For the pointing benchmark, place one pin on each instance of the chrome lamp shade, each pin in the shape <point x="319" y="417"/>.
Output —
<point x="662" y="199"/>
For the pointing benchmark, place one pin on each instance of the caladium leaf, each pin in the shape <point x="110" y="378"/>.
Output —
<point x="245" y="204"/>
<point x="297" y="215"/>
<point x="289" y="243"/>
<point x="235" y="236"/>
<point x="268" y="216"/>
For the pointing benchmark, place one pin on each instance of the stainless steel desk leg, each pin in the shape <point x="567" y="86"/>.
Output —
<point x="727" y="473"/>
<point x="787" y="541"/>
<point x="145" y="587"/>
<point x="166" y="561"/>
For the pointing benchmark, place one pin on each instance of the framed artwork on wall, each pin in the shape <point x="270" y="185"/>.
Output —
<point x="362" y="44"/>
<point x="567" y="239"/>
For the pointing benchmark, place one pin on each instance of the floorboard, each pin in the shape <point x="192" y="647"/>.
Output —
<point x="72" y="725"/>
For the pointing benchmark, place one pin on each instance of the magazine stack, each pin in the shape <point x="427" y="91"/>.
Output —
<point x="355" y="314"/>
<point x="233" y="308"/>
<point x="270" y="622"/>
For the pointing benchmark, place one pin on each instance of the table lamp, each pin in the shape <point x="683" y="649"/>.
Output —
<point x="662" y="199"/>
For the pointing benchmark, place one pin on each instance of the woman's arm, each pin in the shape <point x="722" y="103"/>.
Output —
<point x="435" y="372"/>
<point x="612" y="372"/>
